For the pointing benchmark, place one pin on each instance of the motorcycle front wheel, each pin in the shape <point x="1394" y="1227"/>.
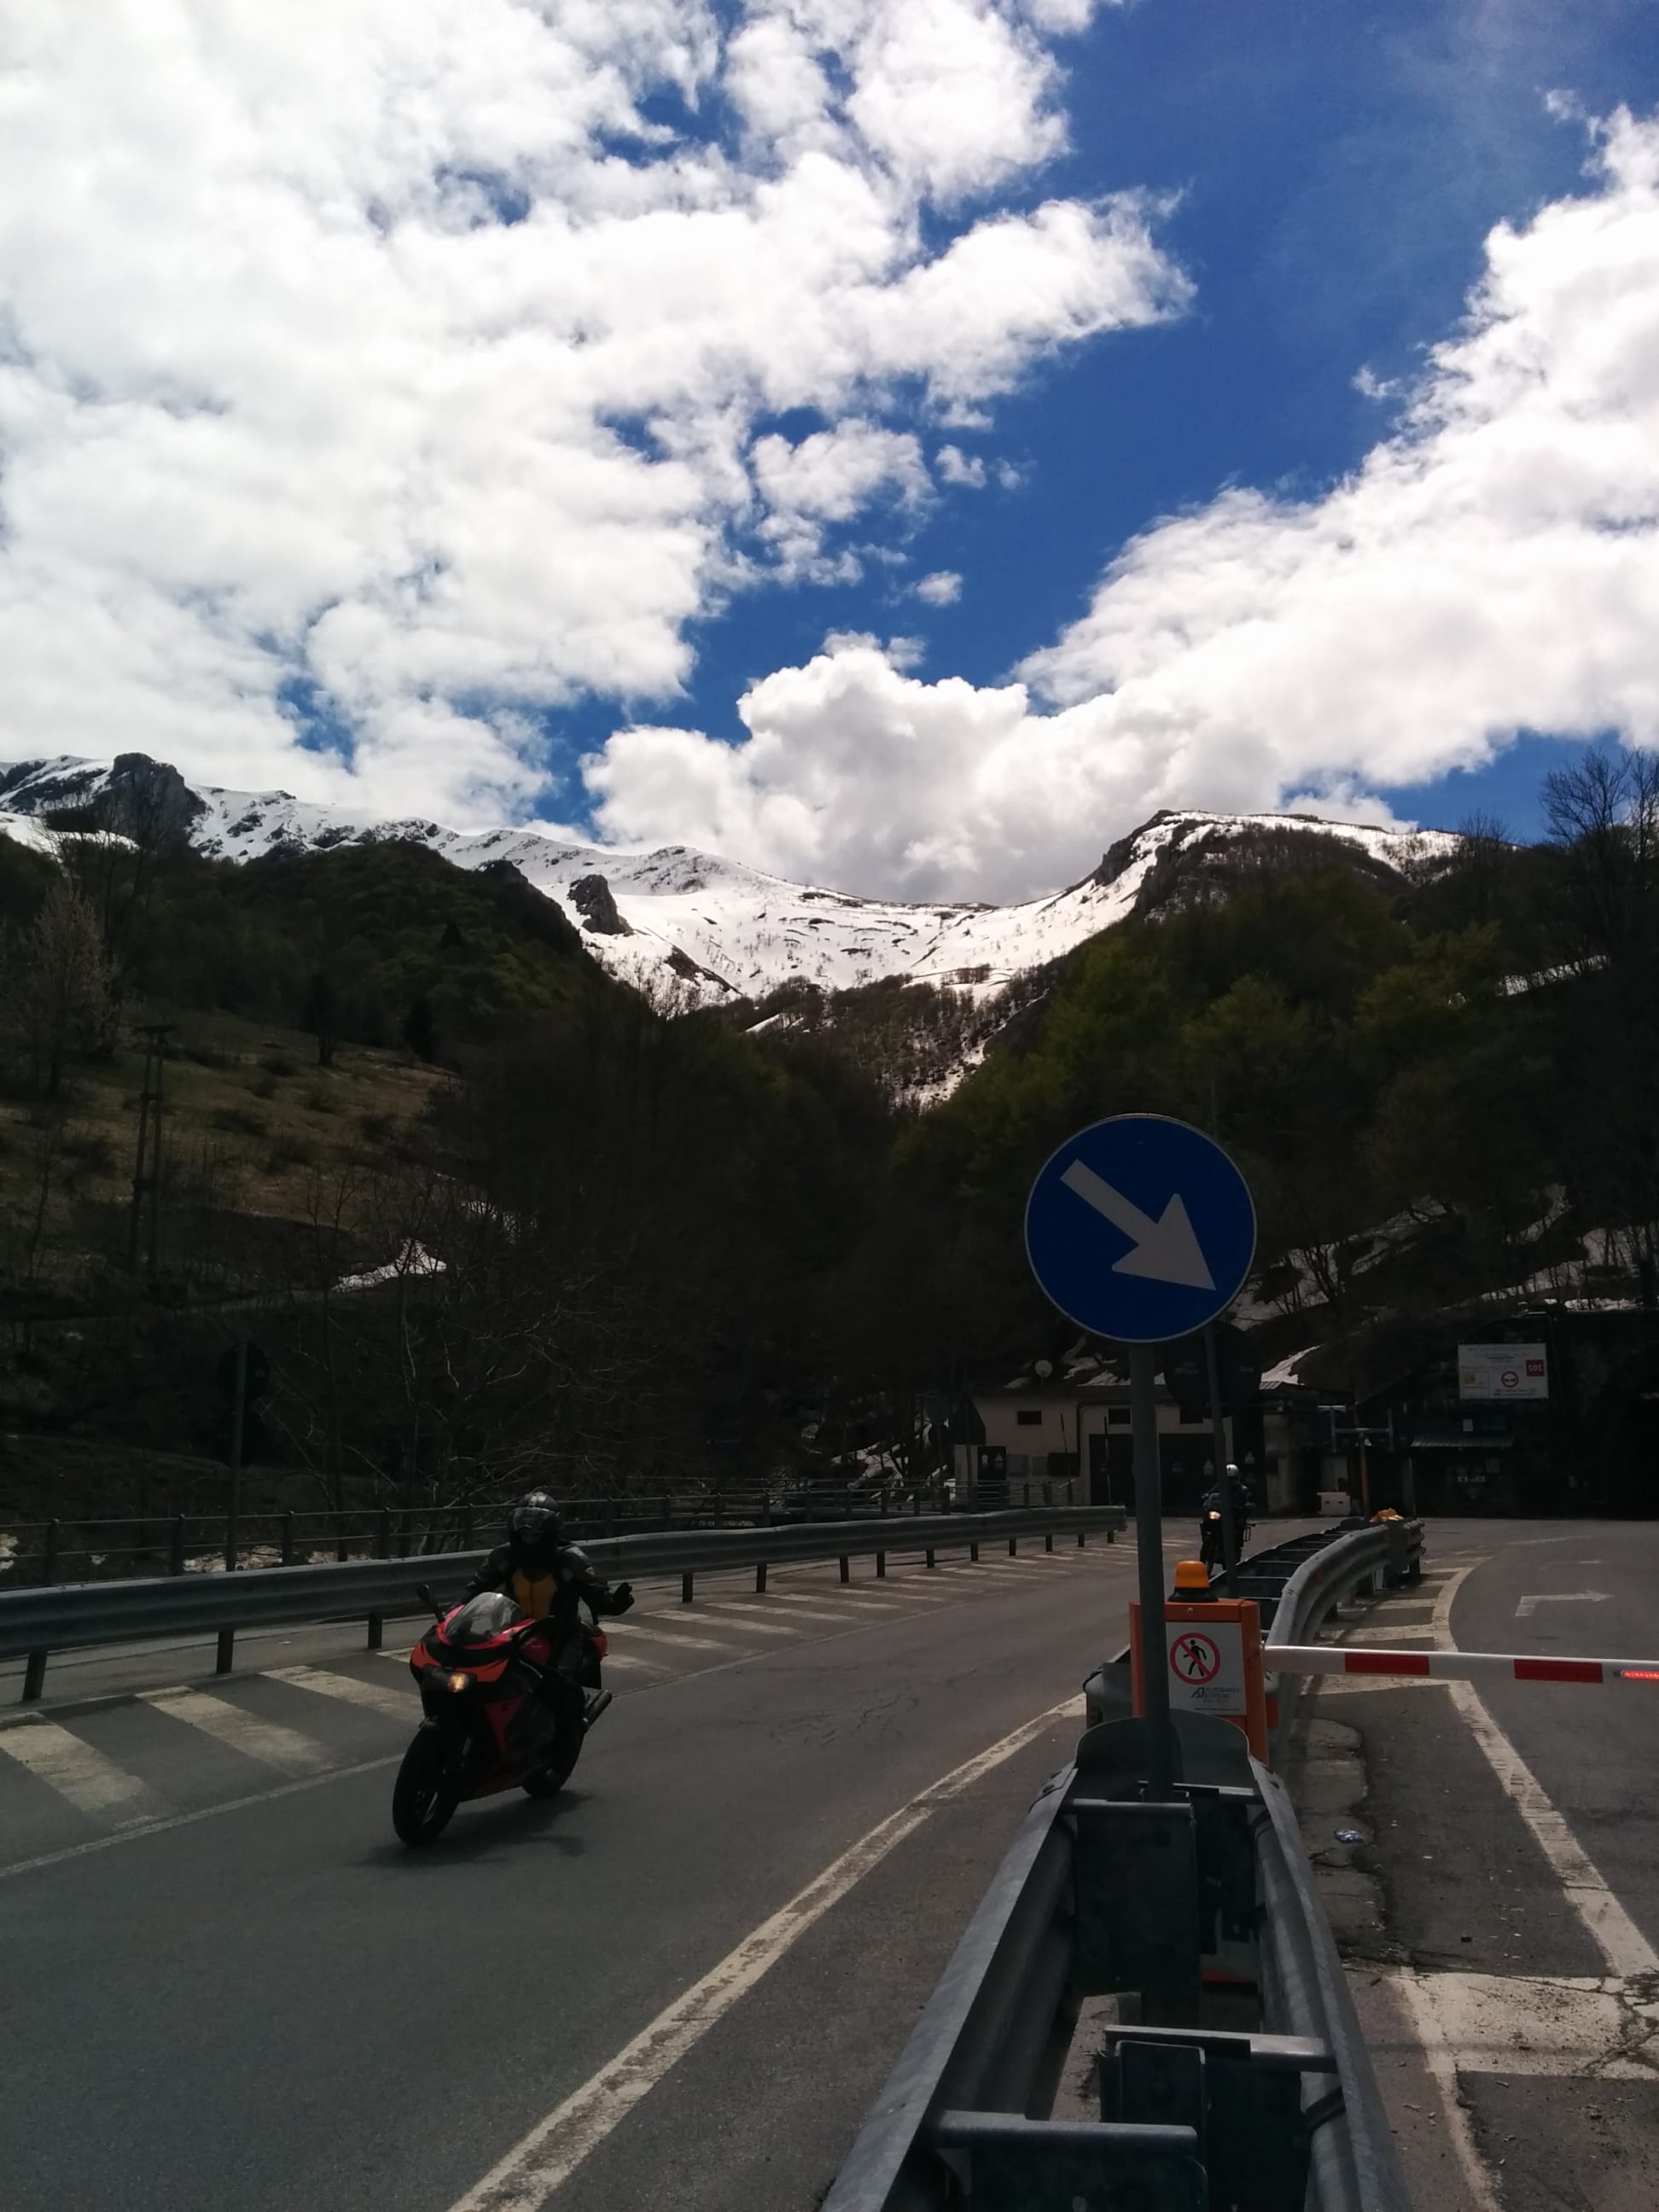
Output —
<point x="420" y="1803"/>
<point x="545" y="1780"/>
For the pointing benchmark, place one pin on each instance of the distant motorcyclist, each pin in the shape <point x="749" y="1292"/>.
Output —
<point x="1236" y="1492"/>
<point x="551" y="1580"/>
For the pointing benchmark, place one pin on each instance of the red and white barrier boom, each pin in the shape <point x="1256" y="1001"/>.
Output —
<point x="1454" y="1666"/>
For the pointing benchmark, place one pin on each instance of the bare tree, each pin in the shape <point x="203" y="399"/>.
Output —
<point x="58" y="998"/>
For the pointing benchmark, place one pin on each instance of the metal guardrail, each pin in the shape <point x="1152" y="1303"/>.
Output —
<point x="1296" y="1584"/>
<point x="1350" y="1561"/>
<point x="1189" y="1914"/>
<point x="64" y="1549"/>
<point x="1025" y="2088"/>
<point x="79" y="1616"/>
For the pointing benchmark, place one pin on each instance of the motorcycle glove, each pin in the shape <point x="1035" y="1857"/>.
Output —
<point x="622" y="1598"/>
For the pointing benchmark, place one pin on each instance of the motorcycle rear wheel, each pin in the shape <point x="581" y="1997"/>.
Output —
<point x="421" y="1805"/>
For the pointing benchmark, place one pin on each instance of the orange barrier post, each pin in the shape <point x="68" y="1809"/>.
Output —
<point x="1215" y="1663"/>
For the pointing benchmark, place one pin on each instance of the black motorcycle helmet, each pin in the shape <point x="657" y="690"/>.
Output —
<point x="533" y="1529"/>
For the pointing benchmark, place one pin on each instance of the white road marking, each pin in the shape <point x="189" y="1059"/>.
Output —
<point x="267" y="1741"/>
<point x="1442" y="2064"/>
<point x="377" y="1697"/>
<point x="1620" y="1942"/>
<point x="717" y="1611"/>
<point x="1363" y="1633"/>
<point x="1526" y="1607"/>
<point x="547" y="2157"/>
<point x="1536" y="2024"/>
<point x="91" y="1783"/>
<point x="189" y="1819"/>
<point x="673" y="1635"/>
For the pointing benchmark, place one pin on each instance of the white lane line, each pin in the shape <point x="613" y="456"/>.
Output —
<point x="627" y="1659"/>
<point x="202" y="1812"/>
<point x="1615" y="1935"/>
<point x="91" y="1783"/>
<point x="547" y="2157"/>
<point x="267" y="1741"/>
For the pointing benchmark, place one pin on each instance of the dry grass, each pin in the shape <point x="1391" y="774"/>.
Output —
<point x="247" y="1110"/>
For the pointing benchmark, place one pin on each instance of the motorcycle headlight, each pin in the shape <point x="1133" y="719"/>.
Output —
<point x="458" y="1682"/>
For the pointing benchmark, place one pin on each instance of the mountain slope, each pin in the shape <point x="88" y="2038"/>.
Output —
<point x="712" y="931"/>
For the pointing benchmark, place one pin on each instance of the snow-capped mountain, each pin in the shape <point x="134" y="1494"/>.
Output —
<point x="710" y="930"/>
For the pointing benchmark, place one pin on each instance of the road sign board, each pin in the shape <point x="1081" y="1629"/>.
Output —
<point x="1207" y="1668"/>
<point x="1503" y="1371"/>
<point x="1140" y="1228"/>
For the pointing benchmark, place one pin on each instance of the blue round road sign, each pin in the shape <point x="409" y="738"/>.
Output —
<point x="1140" y="1228"/>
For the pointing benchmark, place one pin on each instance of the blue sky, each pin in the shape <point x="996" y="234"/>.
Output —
<point x="900" y="443"/>
<point x="1338" y="169"/>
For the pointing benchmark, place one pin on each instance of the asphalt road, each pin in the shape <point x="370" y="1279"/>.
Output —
<point x="1510" y="1975"/>
<point x="223" y="1984"/>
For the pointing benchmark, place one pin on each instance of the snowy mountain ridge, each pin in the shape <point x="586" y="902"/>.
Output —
<point x="706" y="930"/>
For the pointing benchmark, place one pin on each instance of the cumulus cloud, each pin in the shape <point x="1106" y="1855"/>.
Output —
<point x="1492" y="567"/>
<point x="956" y="467"/>
<point x="377" y="388"/>
<point x="942" y="589"/>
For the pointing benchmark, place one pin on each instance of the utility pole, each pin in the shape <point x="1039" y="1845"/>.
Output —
<point x="146" y="1168"/>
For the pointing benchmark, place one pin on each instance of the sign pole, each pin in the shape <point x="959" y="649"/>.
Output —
<point x="1218" y="1449"/>
<point x="1149" y="1547"/>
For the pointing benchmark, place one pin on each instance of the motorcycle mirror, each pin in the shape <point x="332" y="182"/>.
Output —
<point x="423" y="1591"/>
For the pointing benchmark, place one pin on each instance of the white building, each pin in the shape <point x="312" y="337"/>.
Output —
<point x="1076" y="1423"/>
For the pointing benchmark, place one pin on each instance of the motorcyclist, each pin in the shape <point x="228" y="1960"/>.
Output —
<point x="551" y="1580"/>
<point x="1238" y="1497"/>
<point x="1237" y="1500"/>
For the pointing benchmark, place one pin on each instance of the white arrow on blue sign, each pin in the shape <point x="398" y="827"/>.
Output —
<point x="1140" y="1228"/>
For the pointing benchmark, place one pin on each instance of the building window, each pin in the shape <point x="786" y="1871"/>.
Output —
<point x="1030" y="1417"/>
<point x="1118" y="1416"/>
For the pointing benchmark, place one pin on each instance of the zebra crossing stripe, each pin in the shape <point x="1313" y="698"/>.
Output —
<point x="269" y="1741"/>
<point x="375" y="1697"/>
<point x="90" y="1781"/>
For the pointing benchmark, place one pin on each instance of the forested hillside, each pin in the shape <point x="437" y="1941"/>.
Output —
<point x="493" y="1212"/>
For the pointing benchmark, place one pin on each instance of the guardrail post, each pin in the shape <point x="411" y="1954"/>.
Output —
<point x="881" y="1566"/>
<point x="1081" y="1534"/>
<point x="846" y="1568"/>
<point x="685" y="1589"/>
<point x="382" y="1551"/>
<point x="973" y="1552"/>
<point x="760" y="1579"/>
<point x="176" y="1564"/>
<point x="288" y="1540"/>
<point x="34" y="1666"/>
<point x="1013" y="1546"/>
<point x="1048" y="1539"/>
<point x="1047" y="1493"/>
<point x="929" y="1555"/>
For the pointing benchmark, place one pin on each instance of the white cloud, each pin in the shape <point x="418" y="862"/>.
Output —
<point x="942" y="589"/>
<point x="1492" y="567"/>
<point x="394" y="366"/>
<point x="956" y="467"/>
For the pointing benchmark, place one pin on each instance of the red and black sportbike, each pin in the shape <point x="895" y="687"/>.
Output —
<point x="480" y="1668"/>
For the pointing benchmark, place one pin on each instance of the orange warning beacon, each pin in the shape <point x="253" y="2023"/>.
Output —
<point x="1215" y="1656"/>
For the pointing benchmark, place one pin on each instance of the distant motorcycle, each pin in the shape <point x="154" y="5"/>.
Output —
<point x="485" y="1728"/>
<point x="1212" y="1548"/>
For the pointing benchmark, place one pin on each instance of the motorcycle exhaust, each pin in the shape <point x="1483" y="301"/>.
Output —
<point x="595" y="1705"/>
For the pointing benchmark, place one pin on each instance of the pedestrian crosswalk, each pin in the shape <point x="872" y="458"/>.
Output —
<point x="115" y="1767"/>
